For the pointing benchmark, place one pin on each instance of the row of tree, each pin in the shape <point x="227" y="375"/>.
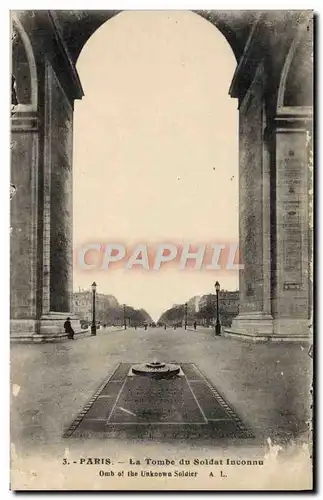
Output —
<point x="204" y="316"/>
<point x="120" y="314"/>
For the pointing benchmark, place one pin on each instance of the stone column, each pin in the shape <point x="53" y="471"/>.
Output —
<point x="290" y="295"/>
<point x="58" y="200"/>
<point x="41" y="172"/>
<point x="24" y="257"/>
<point x="254" y="320"/>
<point x="25" y="300"/>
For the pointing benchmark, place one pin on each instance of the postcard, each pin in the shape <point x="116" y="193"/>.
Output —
<point x="161" y="246"/>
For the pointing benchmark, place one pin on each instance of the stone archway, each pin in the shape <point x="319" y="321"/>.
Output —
<point x="275" y="116"/>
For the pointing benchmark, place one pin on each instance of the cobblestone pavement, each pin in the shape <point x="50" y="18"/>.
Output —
<point x="267" y="384"/>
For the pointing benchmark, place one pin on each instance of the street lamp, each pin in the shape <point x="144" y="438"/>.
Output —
<point x="217" y="324"/>
<point x="124" y="317"/>
<point x="185" y="309"/>
<point x="93" y="326"/>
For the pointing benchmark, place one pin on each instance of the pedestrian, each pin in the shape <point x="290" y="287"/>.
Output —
<point x="194" y="325"/>
<point x="68" y="329"/>
<point x="165" y="326"/>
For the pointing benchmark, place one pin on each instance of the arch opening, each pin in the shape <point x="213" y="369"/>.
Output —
<point x="78" y="26"/>
<point x="164" y="147"/>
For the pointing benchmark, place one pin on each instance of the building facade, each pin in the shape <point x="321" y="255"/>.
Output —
<point x="228" y="307"/>
<point x="82" y="304"/>
<point x="193" y="305"/>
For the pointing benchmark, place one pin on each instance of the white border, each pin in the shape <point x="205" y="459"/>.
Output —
<point x="4" y="185"/>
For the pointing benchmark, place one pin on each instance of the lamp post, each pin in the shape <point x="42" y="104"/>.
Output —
<point x="124" y="317"/>
<point x="185" y="309"/>
<point x="217" y="324"/>
<point x="93" y="326"/>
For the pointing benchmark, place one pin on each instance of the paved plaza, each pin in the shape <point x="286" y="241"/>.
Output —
<point x="266" y="384"/>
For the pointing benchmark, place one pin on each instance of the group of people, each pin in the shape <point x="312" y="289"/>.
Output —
<point x="70" y="332"/>
<point x="175" y="326"/>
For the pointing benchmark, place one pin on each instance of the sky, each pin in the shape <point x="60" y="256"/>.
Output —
<point x="155" y="152"/>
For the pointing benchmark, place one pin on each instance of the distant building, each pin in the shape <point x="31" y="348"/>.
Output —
<point x="229" y="301"/>
<point x="193" y="304"/>
<point x="206" y="301"/>
<point x="82" y="303"/>
<point x="228" y="306"/>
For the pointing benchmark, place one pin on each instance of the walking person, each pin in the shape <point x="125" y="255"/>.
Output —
<point x="68" y="329"/>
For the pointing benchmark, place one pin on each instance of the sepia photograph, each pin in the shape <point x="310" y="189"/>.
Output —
<point x="161" y="250"/>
